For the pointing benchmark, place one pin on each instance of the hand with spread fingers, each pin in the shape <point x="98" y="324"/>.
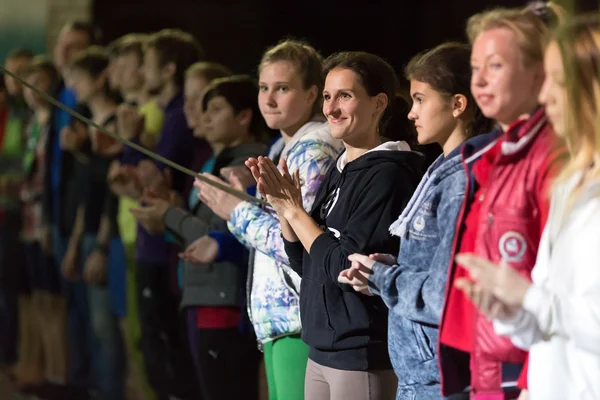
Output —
<point x="219" y="201"/>
<point x="498" y="291"/>
<point x="279" y="188"/>
<point x="203" y="251"/>
<point x="151" y="215"/>
<point x="357" y="275"/>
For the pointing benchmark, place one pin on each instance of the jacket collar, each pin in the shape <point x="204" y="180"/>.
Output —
<point x="521" y="133"/>
<point x="315" y="123"/>
<point x="516" y="138"/>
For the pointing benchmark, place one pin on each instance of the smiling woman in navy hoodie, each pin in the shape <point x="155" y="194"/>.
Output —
<point x="365" y="192"/>
<point x="412" y="284"/>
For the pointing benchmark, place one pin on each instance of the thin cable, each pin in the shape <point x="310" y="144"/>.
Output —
<point x="141" y="149"/>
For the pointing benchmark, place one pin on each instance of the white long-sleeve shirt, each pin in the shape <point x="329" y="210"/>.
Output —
<point x="559" y="322"/>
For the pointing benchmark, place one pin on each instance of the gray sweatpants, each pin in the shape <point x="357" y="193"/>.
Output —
<point x="324" y="383"/>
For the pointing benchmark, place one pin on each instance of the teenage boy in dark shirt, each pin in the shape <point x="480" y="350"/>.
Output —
<point x="167" y="56"/>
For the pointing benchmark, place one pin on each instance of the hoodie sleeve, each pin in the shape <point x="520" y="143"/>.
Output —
<point x="379" y="204"/>
<point x="295" y="252"/>
<point x="418" y="294"/>
<point x="259" y="228"/>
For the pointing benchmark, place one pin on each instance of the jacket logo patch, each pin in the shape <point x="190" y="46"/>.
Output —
<point x="419" y="223"/>
<point x="512" y="247"/>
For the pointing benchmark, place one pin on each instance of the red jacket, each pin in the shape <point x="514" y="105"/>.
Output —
<point x="512" y="214"/>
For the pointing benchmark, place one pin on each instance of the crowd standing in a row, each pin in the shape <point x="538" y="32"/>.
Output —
<point x="373" y="273"/>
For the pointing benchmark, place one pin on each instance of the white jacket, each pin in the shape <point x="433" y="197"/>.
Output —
<point x="560" y="319"/>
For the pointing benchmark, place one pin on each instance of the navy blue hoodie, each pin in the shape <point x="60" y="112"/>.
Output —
<point x="355" y="205"/>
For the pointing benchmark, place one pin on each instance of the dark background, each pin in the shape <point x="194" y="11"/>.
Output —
<point x="236" y="32"/>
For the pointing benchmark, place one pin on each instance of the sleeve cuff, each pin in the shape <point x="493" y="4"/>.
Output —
<point x="510" y="326"/>
<point x="534" y="299"/>
<point x="377" y="279"/>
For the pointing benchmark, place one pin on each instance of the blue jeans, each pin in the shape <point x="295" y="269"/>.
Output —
<point x="109" y="348"/>
<point x="78" y="320"/>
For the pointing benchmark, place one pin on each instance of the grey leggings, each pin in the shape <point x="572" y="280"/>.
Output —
<point x="324" y="383"/>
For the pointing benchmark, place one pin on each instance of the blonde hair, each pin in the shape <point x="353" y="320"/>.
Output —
<point x="579" y="44"/>
<point x="306" y="60"/>
<point x="529" y="25"/>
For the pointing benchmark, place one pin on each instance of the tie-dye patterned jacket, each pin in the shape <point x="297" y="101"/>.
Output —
<point x="273" y="288"/>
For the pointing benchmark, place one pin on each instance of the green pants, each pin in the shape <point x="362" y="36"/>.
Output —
<point x="285" y="365"/>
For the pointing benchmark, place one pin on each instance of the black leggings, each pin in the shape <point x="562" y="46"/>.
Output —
<point x="228" y="364"/>
<point x="164" y="341"/>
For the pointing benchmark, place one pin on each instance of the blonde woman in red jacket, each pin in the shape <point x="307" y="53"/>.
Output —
<point x="506" y="201"/>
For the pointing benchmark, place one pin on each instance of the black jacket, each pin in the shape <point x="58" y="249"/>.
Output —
<point x="344" y="329"/>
